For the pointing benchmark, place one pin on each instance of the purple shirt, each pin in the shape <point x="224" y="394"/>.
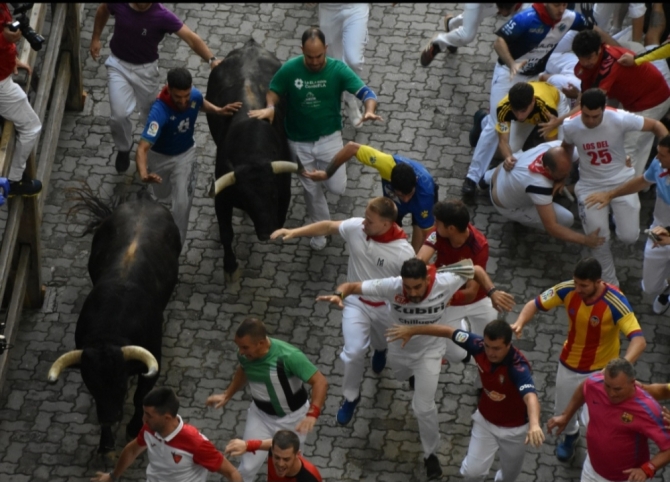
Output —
<point x="617" y="435"/>
<point x="137" y="34"/>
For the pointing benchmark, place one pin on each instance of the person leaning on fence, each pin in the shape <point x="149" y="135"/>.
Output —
<point x="14" y="107"/>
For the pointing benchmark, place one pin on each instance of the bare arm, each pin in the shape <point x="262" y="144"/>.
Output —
<point x="343" y="155"/>
<point x="229" y="471"/>
<point x="237" y="447"/>
<point x="606" y="38"/>
<point x="527" y="313"/>
<point x="659" y="460"/>
<point x="631" y="186"/>
<point x="130" y="452"/>
<point x="635" y="348"/>
<point x="406" y="332"/>
<point x="470" y="291"/>
<point x="501" y="301"/>
<point x="101" y="18"/>
<point x="660" y="391"/>
<point x="560" y="421"/>
<point x="143" y="164"/>
<point x="228" y="109"/>
<point x="346" y="289"/>
<point x="238" y="381"/>
<point x="551" y="224"/>
<point x="535" y="435"/>
<point x="503" y="145"/>
<point x="321" y="228"/>
<point x="319" y="389"/>
<point x="197" y="44"/>
<point x="271" y="100"/>
<point x="501" y="48"/>
<point x="425" y="253"/>
<point x="652" y="125"/>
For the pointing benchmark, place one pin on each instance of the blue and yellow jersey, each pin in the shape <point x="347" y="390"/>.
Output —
<point x="593" y="336"/>
<point x="547" y="98"/>
<point x="421" y="204"/>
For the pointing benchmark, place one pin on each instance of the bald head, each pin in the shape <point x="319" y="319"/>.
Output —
<point x="557" y="162"/>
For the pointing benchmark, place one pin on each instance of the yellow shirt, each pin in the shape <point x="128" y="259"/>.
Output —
<point x="547" y="98"/>
<point x="659" y="53"/>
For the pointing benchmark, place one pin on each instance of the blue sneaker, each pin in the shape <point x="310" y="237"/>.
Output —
<point x="346" y="411"/>
<point x="378" y="361"/>
<point x="566" y="449"/>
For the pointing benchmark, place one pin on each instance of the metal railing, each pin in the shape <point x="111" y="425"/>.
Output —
<point x="60" y="87"/>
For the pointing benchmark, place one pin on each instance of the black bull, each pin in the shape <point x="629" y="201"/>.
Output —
<point x="133" y="267"/>
<point x="247" y="148"/>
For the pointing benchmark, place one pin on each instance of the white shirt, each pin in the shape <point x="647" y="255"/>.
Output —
<point x="427" y="312"/>
<point x="602" y="157"/>
<point x="521" y="187"/>
<point x="370" y="259"/>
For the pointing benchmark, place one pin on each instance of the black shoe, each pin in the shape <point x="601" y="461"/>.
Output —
<point x="25" y="187"/>
<point x="476" y="130"/>
<point x="447" y="19"/>
<point x="122" y="161"/>
<point x="483" y="185"/>
<point x="469" y="187"/>
<point x="411" y="382"/>
<point x="429" y="52"/>
<point x="433" y="469"/>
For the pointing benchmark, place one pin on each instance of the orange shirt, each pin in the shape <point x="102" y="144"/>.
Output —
<point x="593" y="335"/>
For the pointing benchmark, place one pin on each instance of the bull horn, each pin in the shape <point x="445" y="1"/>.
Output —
<point x="281" y="167"/>
<point x="134" y="352"/>
<point x="221" y="183"/>
<point x="68" y="359"/>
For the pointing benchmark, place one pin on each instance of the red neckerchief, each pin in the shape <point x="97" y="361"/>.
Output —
<point x="537" y="167"/>
<point x="664" y="173"/>
<point x="165" y="97"/>
<point x="544" y="15"/>
<point x="432" y="272"/>
<point x="394" y="232"/>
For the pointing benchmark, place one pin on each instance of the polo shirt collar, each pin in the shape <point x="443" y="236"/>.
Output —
<point x="174" y="433"/>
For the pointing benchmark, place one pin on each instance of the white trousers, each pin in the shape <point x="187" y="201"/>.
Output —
<point x="346" y="29"/>
<point x="487" y="439"/>
<point x="626" y="211"/>
<point x="464" y="26"/>
<point x="479" y="314"/>
<point x="655" y="268"/>
<point x="316" y="156"/>
<point x="426" y="372"/>
<point x="262" y="426"/>
<point x="130" y="86"/>
<point x="589" y="474"/>
<point x="567" y="382"/>
<point x="14" y="107"/>
<point x="488" y="141"/>
<point x="638" y="144"/>
<point x="362" y="326"/>
<point x="528" y="215"/>
<point x="180" y="174"/>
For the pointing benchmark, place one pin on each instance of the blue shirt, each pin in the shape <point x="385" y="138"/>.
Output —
<point x="170" y="131"/>
<point x="421" y="204"/>
<point x="529" y="38"/>
<point x="656" y="174"/>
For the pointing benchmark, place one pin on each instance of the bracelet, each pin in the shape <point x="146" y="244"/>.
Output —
<point x="111" y="477"/>
<point x="271" y="107"/>
<point x="313" y="411"/>
<point x="211" y="59"/>
<point x="491" y="291"/>
<point x="649" y="469"/>
<point x="253" y="445"/>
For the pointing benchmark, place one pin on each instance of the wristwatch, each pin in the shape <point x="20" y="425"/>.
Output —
<point x="212" y="59"/>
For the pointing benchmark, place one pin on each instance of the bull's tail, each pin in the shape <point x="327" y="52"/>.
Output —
<point x="87" y="201"/>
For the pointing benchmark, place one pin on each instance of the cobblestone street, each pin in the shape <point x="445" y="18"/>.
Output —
<point x="50" y="432"/>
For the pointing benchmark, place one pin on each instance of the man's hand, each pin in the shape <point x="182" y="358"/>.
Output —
<point x="213" y="65"/>
<point x="217" y="401"/>
<point x="11" y="37"/>
<point x="267" y="113"/>
<point x="229" y="109"/>
<point x="627" y="60"/>
<point x="151" y="178"/>
<point x="559" y="422"/>
<point x="283" y="233"/>
<point x="509" y="162"/>
<point x="101" y="477"/>
<point x="306" y="425"/>
<point x="369" y="116"/>
<point x="333" y="299"/>
<point x="593" y="240"/>
<point x="599" y="199"/>
<point x="635" y="474"/>
<point x="545" y="128"/>
<point x="236" y="447"/>
<point x="517" y="328"/>
<point x="571" y="91"/>
<point x="317" y="176"/>
<point x="516" y="67"/>
<point x="663" y="235"/>
<point x="502" y="301"/>
<point x="399" y="332"/>
<point x="94" y="49"/>
<point x="22" y="65"/>
<point x="535" y="436"/>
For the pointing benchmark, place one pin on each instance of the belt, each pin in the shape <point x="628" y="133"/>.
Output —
<point x="494" y="189"/>
<point x="375" y="304"/>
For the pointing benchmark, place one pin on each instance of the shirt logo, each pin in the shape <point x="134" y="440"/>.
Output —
<point x="461" y="337"/>
<point x="153" y="129"/>
<point x="298" y="84"/>
<point x="626" y="417"/>
<point x="501" y="379"/>
<point x="424" y="214"/>
<point x="594" y="320"/>
<point x="176" y="458"/>
<point x="562" y="27"/>
<point x="144" y="32"/>
<point x="373" y="159"/>
<point x="495" y="396"/>
<point x="193" y="105"/>
<point x="432" y="237"/>
<point x="503" y="128"/>
<point x="547" y="295"/>
<point x="400" y="299"/>
<point x="183" y="125"/>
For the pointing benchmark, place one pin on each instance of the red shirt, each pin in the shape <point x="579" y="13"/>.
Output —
<point x="307" y="472"/>
<point x="637" y="88"/>
<point x="476" y="248"/>
<point x="7" y="49"/>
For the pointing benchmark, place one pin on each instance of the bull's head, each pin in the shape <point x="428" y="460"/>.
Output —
<point x="227" y="180"/>
<point x="103" y="370"/>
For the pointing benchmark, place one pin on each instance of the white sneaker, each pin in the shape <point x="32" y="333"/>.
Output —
<point x="354" y="112"/>
<point x="317" y="243"/>
<point x="659" y="305"/>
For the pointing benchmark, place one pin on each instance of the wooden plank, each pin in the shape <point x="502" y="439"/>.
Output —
<point x="9" y="242"/>
<point x="71" y="42"/>
<point x="14" y="310"/>
<point x="51" y="130"/>
<point x="7" y="147"/>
